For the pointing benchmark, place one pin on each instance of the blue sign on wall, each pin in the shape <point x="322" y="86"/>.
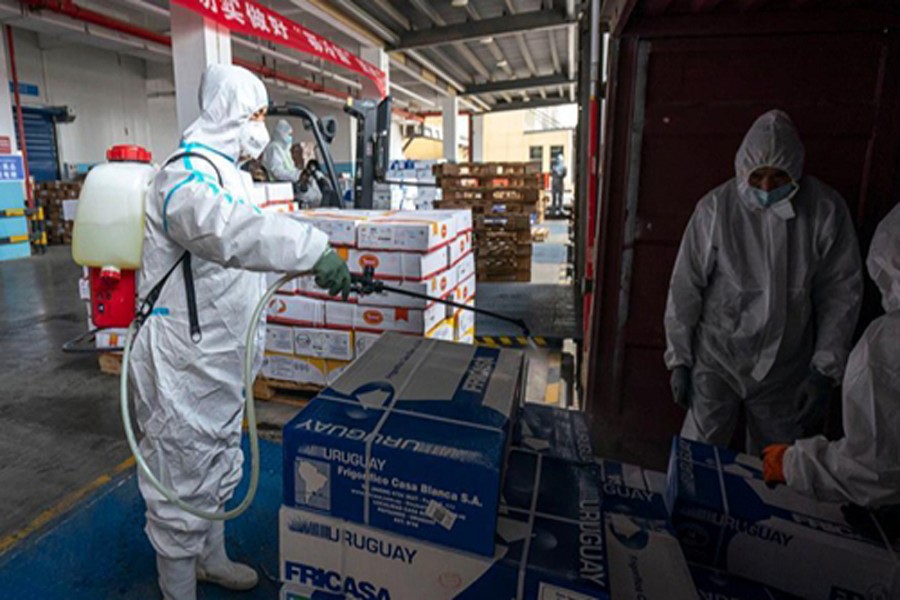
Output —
<point x="25" y="89"/>
<point x="11" y="168"/>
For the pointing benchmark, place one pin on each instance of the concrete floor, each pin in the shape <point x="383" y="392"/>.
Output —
<point x="58" y="413"/>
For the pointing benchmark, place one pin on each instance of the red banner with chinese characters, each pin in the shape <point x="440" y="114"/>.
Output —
<point x="250" y="18"/>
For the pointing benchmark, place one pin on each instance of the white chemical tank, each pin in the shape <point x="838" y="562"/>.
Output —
<point x="109" y="225"/>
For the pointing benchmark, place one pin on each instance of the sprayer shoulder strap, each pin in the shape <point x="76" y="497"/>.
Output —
<point x="185" y="261"/>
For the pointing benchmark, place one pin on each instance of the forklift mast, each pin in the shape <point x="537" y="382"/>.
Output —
<point x="373" y="139"/>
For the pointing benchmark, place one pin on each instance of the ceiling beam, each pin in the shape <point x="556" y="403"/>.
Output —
<point x="473" y="30"/>
<point x="534" y="103"/>
<point x="509" y="85"/>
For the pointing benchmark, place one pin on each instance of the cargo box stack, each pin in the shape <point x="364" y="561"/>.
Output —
<point x="59" y="199"/>
<point x="412" y="186"/>
<point x="728" y="518"/>
<point x="502" y="198"/>
<point x="312" y="336"/>
<point x="409" y="478"/>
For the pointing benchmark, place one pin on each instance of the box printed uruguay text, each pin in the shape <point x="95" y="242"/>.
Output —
<point x="596" y="541"/>
<point x="410" y="439"/>
<point x="727" y="517"/>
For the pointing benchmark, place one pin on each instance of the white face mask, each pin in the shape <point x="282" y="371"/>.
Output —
<point x="254" y="137"/>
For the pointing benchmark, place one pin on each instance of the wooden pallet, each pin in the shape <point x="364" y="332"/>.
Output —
<point x="491" y="194"/>
<point x="487" y="168"/>
<point x="284" y="392"/>
<point x="111" y="363"/>
<point x="490" y="180"/>
<point x="518" y="276"/>
<point x="502" y="222"/>
<point x="489" y="207"/>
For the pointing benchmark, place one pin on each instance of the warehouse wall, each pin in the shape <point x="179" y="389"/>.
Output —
<point x="104" y="89"/>
<point x="506" y="139"/>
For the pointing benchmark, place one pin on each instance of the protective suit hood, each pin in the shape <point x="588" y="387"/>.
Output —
<point x="884" y="260"/>
<point x="771" y="141"/>
<point x="229" y="96"/>
<point x="283" y="131"/>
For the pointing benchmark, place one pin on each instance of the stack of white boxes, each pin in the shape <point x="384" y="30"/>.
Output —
<point x="312" y="337"/>
<point x="416" y="187"/>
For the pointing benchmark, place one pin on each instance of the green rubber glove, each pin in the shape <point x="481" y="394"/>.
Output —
<point x="332" y="274"/>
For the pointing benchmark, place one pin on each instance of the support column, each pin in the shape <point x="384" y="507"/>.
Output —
<point x="7" y="124"/>
<point x="477" y="138"/>
<point x="450" y="123"/>
<point x="379" y="58"/>
<point x="197" y="42"/>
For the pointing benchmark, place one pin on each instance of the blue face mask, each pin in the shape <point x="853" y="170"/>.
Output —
<point x="289" y="140"/>
<point x="767" y="199"/>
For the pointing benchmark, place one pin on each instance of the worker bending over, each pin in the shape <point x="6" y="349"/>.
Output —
<point x="764" y="296"/>
<point x="188" y="387"/>
<point x="863" y="467"/>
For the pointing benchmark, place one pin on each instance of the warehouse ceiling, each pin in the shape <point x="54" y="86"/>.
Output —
<point x="493" y="54"/>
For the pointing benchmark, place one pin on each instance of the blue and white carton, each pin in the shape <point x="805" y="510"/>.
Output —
<point x="718" y="585"/>
<point x="577" y="545"/>
<point x="410" y="439"/>
<point x="554" y="431"/>
<point x="728" y="518"/>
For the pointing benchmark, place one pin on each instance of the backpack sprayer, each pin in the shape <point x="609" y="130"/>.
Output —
<point x="108" y="240"/>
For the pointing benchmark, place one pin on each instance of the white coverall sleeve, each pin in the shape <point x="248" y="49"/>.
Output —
<point x="693" y="267"/>
<point x="837" y="296"/>
<point x="210" y="223"/>
<point x="278" y="163"/>
<point x="864" y="466"/>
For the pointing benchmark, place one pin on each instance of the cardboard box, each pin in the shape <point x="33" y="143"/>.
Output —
<point x="339" y="225"/>
<point x="69" y="209"/>
<point x="408" y="231"/>
<point x="437" y="286"/>
<point x="258" y="195"/>
<point x="279" y="192"/>
<point x="728" y="518"/>
<point x="410" y="439"/>
<point x="462" y="218"/>
<point x="279" y="338"/>
<point x="362" y="341"/>
<point x="342" y="315"/>
<point x="463" y="320"/>
<point x="575" y="546"/>
<point x="442" y="331"/>
<point x="296" y="310"/>
<point x="84" y="288"/>
<point x="400" y="265"/>
<point x="465" y="268"/>
<point x="718" y="585"/>
<point x="465" y="289"/>
<point x="110" y="338"/>
<point x="466" y="337"/>
<point x="323" y="343"/>
<point x="460" y="247"/>
<point x="553" y="431"/>
<point x="289" y="288"/>
<point x="302" y="370"/>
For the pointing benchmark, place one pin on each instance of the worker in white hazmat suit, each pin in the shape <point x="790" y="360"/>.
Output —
<point x="863" y="467"/>
<point x="188" y="386"/>
<point x="277" y="157"/>
<point x="764" y="296"/>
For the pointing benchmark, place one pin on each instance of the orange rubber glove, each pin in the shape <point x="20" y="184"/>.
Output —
<point x="773" y="463"/>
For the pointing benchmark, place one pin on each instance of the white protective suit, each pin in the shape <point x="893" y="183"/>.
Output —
<point x="759" y="296"/>
<point x="188" y="395"/>
<point x="864" y="466"/>
<point x="277" y="157"/>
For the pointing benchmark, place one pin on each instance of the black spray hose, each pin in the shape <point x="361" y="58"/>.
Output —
<point x="366" y="284"/>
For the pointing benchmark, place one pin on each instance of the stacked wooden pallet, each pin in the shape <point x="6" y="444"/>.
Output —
<point x="54" y="196"/>
<point x="502" y="198"/>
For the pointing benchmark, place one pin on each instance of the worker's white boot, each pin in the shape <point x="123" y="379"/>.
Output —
<point x="215" y="567"/>
<point x="177" y="578"/>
